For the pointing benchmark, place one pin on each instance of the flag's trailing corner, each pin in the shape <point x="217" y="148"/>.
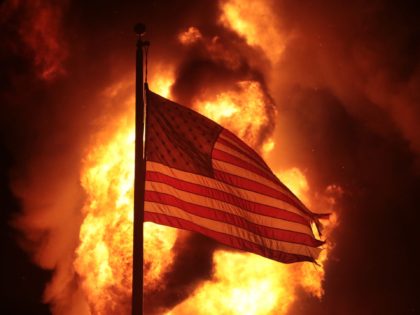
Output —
<point x="201" y="177"/>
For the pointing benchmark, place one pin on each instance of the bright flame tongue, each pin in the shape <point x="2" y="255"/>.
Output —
<point x="256" y="22"/>
<point x="241" y="110"/>
<point x="104" y="254"/>
<point x="243" y="283"/>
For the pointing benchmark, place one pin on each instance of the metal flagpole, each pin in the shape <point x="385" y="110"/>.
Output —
<point x="139" y="177"/>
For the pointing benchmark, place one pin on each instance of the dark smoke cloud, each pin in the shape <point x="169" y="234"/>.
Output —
<point x="366" y="54"/>
<point x="347" y="99"/>
<point x="347" y="94"/>
<point x="36" y="31"/>
<point x="45" y="123"/>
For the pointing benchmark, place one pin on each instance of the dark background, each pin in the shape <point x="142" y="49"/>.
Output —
<point x="348" y="99"/>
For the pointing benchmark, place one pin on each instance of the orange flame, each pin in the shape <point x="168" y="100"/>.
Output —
<point x="242" y="284"/>
<point x="161" y="79"/>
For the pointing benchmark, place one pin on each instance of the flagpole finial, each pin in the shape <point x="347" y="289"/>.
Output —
<point x="140" y="29"/>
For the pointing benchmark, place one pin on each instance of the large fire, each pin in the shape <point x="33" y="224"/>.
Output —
<point x="242" y="283"/>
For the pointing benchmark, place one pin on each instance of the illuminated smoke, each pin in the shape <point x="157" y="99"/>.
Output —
<point x="190" y="36"/>
<point x="41" y="33"/>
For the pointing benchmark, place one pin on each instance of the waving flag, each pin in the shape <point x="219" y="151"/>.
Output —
<point x="200" y="177"/>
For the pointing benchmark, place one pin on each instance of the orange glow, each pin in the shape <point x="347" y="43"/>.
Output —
<point x="256" y="23"/>
<point x="296" y="181"/>
<point x="268" y="146"/>
<point x="41" y="32"/>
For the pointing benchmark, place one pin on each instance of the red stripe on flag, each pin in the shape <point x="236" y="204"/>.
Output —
<point x="249" y="151"/>
<point x="242" y="152"/>
<point x="224" y="217"/>
<point x="248" y="184"/>
<point x="226" y="239"/>
<point x="205" y="191"/>
<point x="229" y="158"/>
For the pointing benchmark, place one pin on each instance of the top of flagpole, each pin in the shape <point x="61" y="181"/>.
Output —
<point x="140" y="29"/>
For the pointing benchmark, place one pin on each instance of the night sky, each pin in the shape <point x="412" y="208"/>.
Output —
<point x="347" y="92"/>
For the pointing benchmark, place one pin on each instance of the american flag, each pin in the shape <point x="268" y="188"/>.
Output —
<point x="202" y="178"/>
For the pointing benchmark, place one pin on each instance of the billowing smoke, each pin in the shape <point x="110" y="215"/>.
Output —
<point x="212" y="64"/>
<point x="344" y="79"/>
